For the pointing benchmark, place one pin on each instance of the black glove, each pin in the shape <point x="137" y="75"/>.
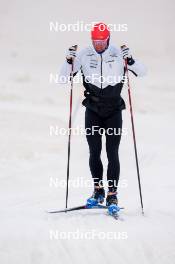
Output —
<point x="127" y="55"/>
<point x="71" y="54"/>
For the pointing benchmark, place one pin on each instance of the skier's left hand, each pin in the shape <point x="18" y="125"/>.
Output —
<point x="127" y="55"/>
<point x="126" y="52"/>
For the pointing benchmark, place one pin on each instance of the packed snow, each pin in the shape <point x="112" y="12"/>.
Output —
<point x="33" y="160"/>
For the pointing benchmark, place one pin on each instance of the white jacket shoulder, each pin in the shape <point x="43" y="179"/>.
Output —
<point x="114" y="50"/>
<point x="83" y="52"/>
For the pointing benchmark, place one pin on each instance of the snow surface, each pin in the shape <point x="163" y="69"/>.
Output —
<point x="30" y="157"/>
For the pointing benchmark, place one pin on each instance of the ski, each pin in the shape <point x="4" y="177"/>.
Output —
<point x="81" y="207"/>
<point x="115" y="216"/>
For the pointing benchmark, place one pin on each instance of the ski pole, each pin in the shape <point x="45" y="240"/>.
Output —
<point x="70" y="125"/>
<point x="133" y="132"/>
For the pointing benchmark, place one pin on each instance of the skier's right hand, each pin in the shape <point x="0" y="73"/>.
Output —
<point x="71" y="54"/>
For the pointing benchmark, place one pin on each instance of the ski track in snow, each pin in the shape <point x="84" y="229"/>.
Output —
<point x="30" y="157"/>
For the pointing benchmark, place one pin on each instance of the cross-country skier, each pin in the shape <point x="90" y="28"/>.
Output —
<point x="102" y="68"/>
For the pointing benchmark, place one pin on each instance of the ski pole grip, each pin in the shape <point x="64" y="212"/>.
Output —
<point x="74" y="47"/>
<point x="123" y="46"/>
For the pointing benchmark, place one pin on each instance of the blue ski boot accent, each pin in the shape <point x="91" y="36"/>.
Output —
<point x="112" y="203"/>
<point x="96" y="198"/>
<point x="91" y="202"/>
<point x="113" y="209"/>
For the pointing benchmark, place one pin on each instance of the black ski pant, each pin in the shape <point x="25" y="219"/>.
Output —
<point x="112" y="126"/>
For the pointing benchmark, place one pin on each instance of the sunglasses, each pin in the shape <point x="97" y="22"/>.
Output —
<point x="100" y="45"/>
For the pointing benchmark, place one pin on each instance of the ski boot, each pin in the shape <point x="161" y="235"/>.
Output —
<point x="96" y="198"/>
<point x="112" y="203"/>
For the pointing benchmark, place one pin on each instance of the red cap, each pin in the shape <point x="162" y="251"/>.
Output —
<point x="100" y="31"/>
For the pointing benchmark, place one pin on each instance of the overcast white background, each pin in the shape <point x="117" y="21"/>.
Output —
<point x="29" y="156"/>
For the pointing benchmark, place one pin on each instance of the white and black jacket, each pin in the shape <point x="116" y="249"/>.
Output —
<point x="103" y="76"/>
